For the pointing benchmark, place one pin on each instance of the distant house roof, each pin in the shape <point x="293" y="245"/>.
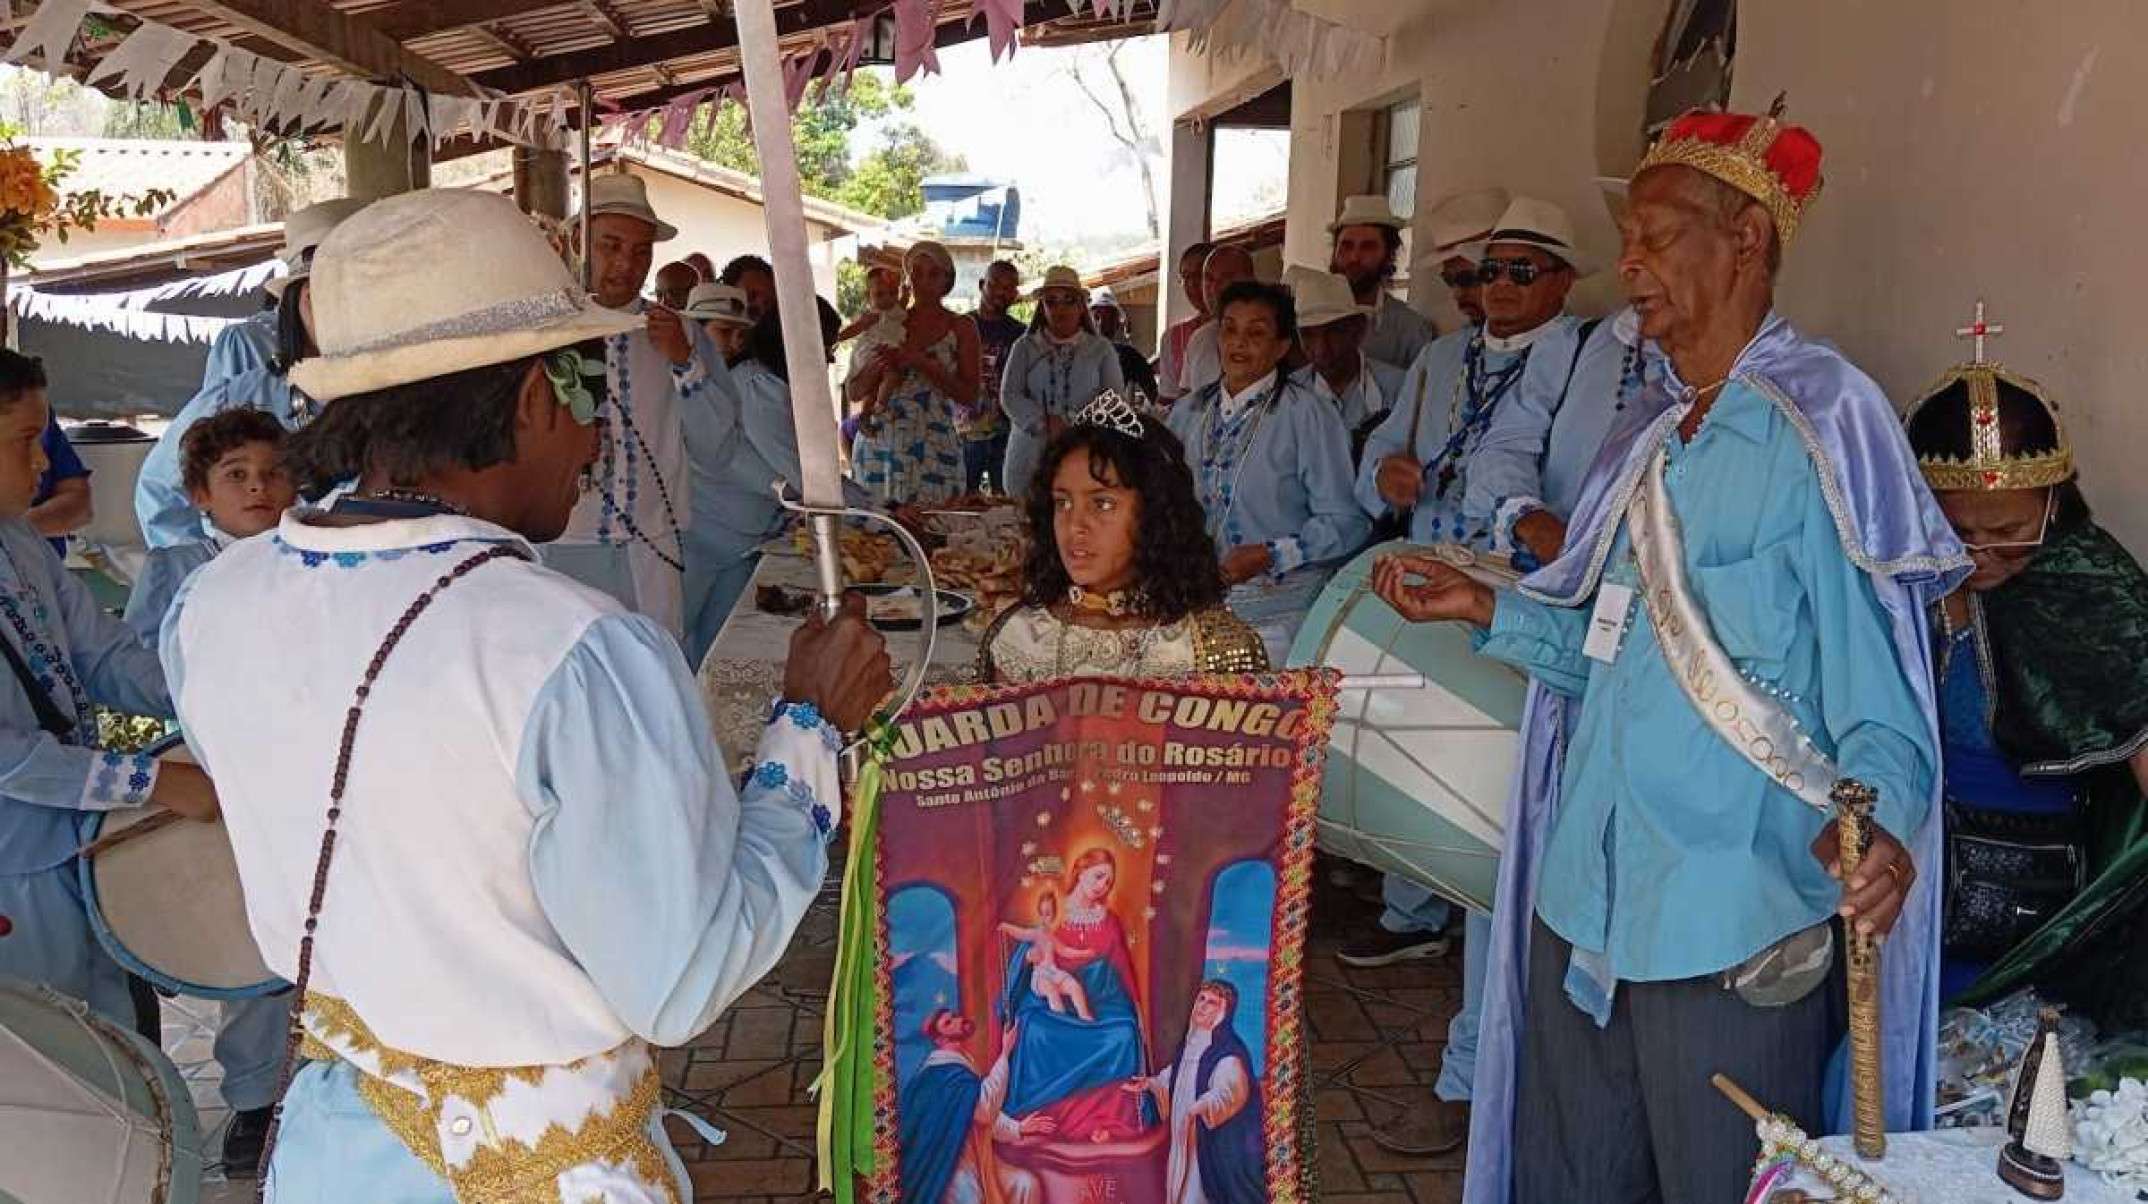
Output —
<point x="841" y="219"/>
<point x="132" y="166"/>
<point x="1140" y="267"/>
<point x="156" y="262"/>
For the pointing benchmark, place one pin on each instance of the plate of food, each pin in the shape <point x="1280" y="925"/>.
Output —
<point x="902" y="607"/>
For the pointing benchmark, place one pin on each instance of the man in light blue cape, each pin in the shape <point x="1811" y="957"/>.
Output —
<point x="1665" y="906"/>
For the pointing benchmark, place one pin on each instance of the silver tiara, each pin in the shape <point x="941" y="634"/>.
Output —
<point x="1112" y="412"/>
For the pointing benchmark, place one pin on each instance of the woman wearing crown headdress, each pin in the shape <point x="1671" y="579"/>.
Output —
<point x="1122" y="577"/>
<point x="2042" y="663"/>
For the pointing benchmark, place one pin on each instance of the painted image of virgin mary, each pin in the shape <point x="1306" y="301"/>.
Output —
<point x="1069" y="1065"/>
<point x="1214" y="1101"/>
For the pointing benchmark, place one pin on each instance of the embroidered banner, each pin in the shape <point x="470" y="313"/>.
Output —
<point x="1092" y="899"/>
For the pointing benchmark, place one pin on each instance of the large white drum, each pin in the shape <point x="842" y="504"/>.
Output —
<point x="1417" y="779"/>
<point x="167" y="904"/>
<point x="90" y="1113"/>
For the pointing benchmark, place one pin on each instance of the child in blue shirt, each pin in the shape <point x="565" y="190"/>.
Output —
<point x="63" y="656"/>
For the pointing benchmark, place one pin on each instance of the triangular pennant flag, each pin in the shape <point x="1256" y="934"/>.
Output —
<point x="915" y="28"/>
<point x="389" y="109"/>
<point x="1003" y="20"/>
<point x="440" y="114"/>
<point x="282" y="108"/>
<point x="358" y="101"/>
<point x="224" y="73"/>
<point x="51" y="30"/>
<point x="140" y="63"/>
<point x="417" y="123"/>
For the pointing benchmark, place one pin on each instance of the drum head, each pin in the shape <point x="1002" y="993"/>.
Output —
<point x="95" y="1115"/>
<point x="1417" y="780"/>
<point x="168" y="907"/>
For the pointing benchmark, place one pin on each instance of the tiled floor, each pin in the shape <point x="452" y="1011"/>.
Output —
<point x="1377" y="1036"/>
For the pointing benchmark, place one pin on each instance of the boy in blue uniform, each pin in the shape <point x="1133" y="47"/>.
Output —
<point x="232" y="467"/>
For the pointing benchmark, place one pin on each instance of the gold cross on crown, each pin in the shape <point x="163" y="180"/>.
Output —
<point x="1978" y="329"/>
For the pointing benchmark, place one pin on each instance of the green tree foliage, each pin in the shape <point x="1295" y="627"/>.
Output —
<point x="885" y="182"/>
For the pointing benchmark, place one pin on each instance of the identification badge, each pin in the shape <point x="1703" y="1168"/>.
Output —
<point x="1607" y="623"/>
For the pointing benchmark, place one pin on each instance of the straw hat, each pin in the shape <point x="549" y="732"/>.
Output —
<point x="1324" y="297"/>
<point x="617" y="192"/>
<point x="428" y="283"/>
<point x="1060" y="276"/>
<point x="717" y="303"/>
<point x="1545" y="226"/>
<point x="1369" y="210"/>
<point x="1458" y="225"/>
<point x="303" y="230"/>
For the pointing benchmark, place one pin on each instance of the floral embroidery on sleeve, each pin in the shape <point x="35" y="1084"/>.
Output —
<point x="119" y="780"/>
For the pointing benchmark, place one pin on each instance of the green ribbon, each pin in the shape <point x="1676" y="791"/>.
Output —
<point x="849" y="1071"/>
<point x="569" y="371"/>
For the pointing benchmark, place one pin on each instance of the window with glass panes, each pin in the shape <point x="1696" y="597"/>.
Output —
<point x="1399" y="168"/>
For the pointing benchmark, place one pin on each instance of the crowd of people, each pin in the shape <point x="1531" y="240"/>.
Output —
<point x="528" y="511"/>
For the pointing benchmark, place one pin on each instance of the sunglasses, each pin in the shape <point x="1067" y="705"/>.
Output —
<point x="1466" y="278"/>
<point x="1523" y="272"/>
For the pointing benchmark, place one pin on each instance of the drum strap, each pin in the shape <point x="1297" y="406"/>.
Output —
<point x="296" y="1035"/>
<point x="1753" y="723"/>
<point x="48" y="711"/>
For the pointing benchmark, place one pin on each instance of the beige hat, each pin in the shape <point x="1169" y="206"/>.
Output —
<point x="1323" y="297"/>
<point x="1457" y="225"/>
<point x="619" y="192"/>
<point x="1369" y="210"/>
<point x="303" y="230"/>
<point x="1060" y="276"/>
<point x="1545" y="226"/>
<point x="717" y="303"/>
<point x="428" y="283"/>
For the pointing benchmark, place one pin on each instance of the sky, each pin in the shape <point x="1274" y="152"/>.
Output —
<point x="1025" y="119"/>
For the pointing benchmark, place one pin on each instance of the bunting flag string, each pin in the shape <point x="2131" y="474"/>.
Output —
<point x="94" y="311"/>
<point x="264" y="92"/>
<point x="1297" y="41"/>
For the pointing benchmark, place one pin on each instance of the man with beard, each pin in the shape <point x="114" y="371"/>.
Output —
<point x="951" y="1117"/>
<point x="1368" y="239"/>
<point x="628" y="534"/>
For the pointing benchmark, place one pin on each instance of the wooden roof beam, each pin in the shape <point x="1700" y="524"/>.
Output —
<point x="316" y="31"/>
<point x="607" y="20"/>
<point x="506" y="43"/>
<point x="416" y="19"/>
<point x="629" y="54"/>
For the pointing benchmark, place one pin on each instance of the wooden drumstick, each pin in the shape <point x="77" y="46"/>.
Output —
<point x="1853" y="811"/>
<point x="155" y="821"/>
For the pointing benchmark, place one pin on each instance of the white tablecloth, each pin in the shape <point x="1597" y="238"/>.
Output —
<point x="1953" y="1166"/>
<point x="744" y="667"/>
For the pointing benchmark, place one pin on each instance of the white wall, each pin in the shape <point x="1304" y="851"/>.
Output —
<point x="1995" y="152"/>
<point x="721" y="226"/>
<point x="1974" y="147"/>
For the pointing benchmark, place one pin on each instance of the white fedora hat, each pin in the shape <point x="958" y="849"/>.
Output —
<point x="1322" y="297"/>
<point x="1458" y="224"/>
<point x="428" y="283"/>
<point x="1326" y="297"/>
<point x="303" y="230"/>
<point x="1545" y="226"/>
<point x="717" y="303"/>
<point x="1060" y="276"/>
<point x="1370" y="209"/>
<point x="623" y="193"/>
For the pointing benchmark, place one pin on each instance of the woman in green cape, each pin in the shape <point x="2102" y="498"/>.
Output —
<point x="2042" y="661"/>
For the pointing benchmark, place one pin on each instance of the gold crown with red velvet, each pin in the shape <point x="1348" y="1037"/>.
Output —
<point x="1775" y="164"/>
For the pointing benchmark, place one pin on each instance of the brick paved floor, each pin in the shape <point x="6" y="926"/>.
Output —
<point x="1377" y="1037"/>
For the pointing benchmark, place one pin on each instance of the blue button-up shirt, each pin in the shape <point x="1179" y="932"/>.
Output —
<point x="47" y="785"/>
<point x="1671" y="853"/>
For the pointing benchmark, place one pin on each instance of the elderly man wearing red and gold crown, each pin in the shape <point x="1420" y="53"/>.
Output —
<point x="1740" y="615"/>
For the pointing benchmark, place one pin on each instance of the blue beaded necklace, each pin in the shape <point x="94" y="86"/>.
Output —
<point x="1224" y="444"/>
<point x="1481" y="391"/>
<point x="47" y="663"/>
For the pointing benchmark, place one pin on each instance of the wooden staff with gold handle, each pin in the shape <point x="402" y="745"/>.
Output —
<point x="1853" y="814"/>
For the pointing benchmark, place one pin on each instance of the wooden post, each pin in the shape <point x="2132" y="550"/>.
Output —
<point x="541" y="181"/>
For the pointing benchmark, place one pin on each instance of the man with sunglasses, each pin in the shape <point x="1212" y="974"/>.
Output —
<point x="1436" y="460"/>
<point x="1368" y="240"/>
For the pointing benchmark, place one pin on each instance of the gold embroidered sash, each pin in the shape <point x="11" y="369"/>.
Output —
<point x="518" y="1135"/>
<point x="1758" y="727"/>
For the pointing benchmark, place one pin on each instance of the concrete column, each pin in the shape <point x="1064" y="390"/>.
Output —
<point x="396" y="163"/>
<point x="541" y="181"/>
<point x="1186" y="198"/>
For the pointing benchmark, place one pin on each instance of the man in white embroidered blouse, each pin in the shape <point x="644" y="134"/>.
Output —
<point x="627" y="536"/>
<point x="479" y="816"/>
